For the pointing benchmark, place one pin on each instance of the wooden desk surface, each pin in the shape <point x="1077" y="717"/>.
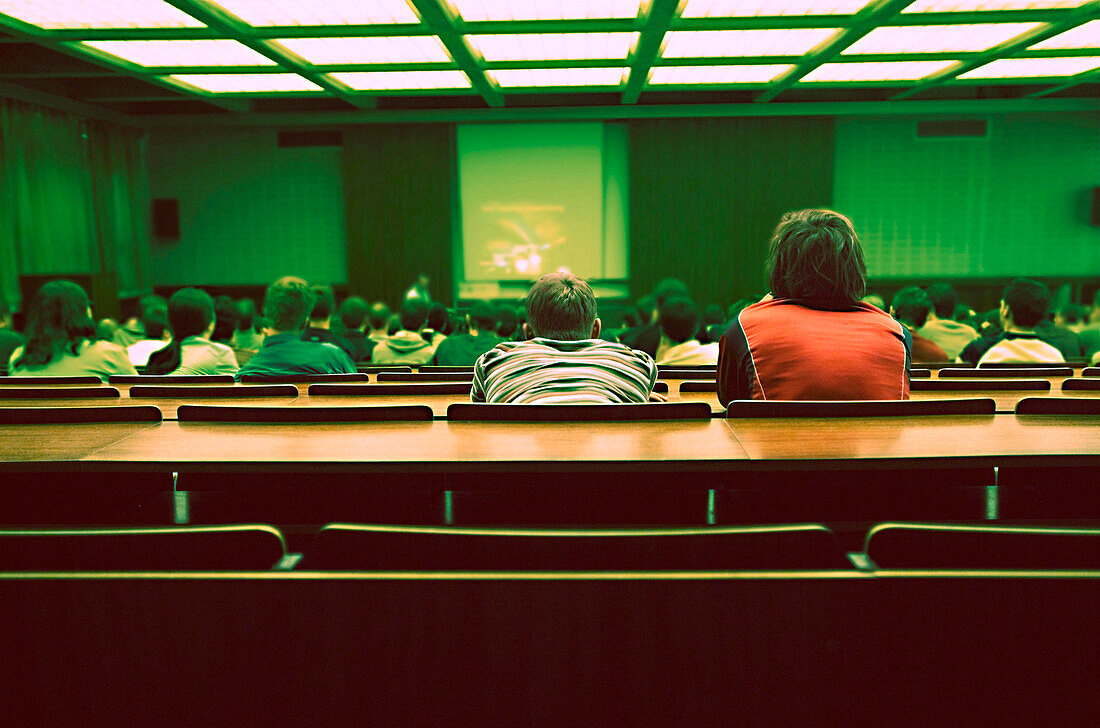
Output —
<point x="44" y="443"/>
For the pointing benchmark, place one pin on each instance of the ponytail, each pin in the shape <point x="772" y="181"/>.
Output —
<point x="166" y="360"/>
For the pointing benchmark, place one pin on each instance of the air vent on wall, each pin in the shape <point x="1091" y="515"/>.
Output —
<point x="951" y="128"/>
<point x="315" y="138"/>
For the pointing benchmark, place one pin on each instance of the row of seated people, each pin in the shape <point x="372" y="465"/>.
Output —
<point x="782" y="347"/>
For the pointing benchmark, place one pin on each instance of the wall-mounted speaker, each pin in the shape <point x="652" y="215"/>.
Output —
<point x="166" y="220"/>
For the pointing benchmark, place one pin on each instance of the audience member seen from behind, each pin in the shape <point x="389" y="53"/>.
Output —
<point x="651" y="339"/>
<point x="679" y="324"/>
<point x="287" y="305"/>
<point x="320" y="322"/>
<point x="941" y="327"/>
<point x="875" y="300"/>
<point x="645" y="310"/>
<point x="225" y="321"/>
<point x="507" y="323"/>
<point x="10" y="339"/>
<point x="378" y="319"/>
<point x="191" y="352"/>
<point x="353" y="314"/>
<point x="247" y="337"/>
<point x="154" y="323"/>
<point x="911" y="307"/>
<point x="812" y="338"/>
<point x="131" y="331"/>
<point x="408" y="345"/>
<point x="562" y="360"/>
<point x="435" y="331"/>
<point x="1023" y="306"/>
<point x="60" y="338"/>
<point x="462" y="350"/>
<point x="1061" y="338"/>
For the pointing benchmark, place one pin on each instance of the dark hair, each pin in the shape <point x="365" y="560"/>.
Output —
<point x="679" y="318"/>
<point x="324" y="303"/>
<point x="246" y="314"/>
<point x="287" y="304"/>
<point x="353" y="312"/>
<point x="414" y="313"/>
<point x="225" y="318"/>
<point x="962" y="312"/>
<point x="190" y="313"/>
<point x="666" y="288"/>
<point x="737" y="306"/>
<point x="713" y="315"/>
<point x="1027" y="301"/>
<point x="645" y="307"/>
<point x="943" y="299"/>
<point x="155" y="323"/>
<point x="58" y="322"/>
<point x="507" y="321"/>
<point x="815" y="255"/>
<point x="989" y="323"/>
<point x="911" y="306"/>
<point x="1074" y="314"/>
<point x="379" y="315"/>
<point x="482" y="317"/>
<point x="561" y="306"/>
<point x="438" y="317"/>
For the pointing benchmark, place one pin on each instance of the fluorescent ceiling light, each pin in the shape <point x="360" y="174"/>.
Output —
<point x="388" y="80"/>
<point x="321" y="12"/>
<point x="1083" y="36"/>
<point x="769" y="8"/>
<point x="528" y="77"/>
<point x="761" y="73"/>
<point x="937" y="38"/>
<point x="895" y="71"/>
<point x="226" y="83"/>
<point x="380" y="49"/>
<point x="163" y="53"/>
<point x="551" y="46"/>
<point x="730" y="43"/>
<point x="502" y="10"/>
<point x="1034" y="68"/>
<point x="65" y="14"/>
<point x="960" y="6"/>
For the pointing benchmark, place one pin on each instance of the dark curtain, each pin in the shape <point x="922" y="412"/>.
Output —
<point x="705" y="195"/>
<point x="398" y="186"/>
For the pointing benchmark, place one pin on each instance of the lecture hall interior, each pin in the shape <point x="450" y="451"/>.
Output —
<point x="549" y="362"/>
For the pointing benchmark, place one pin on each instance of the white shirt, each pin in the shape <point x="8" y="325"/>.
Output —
<point x="1022" y="350"/>
<point x="201" y="356"/>
<point x="689" y="353"/>
<point x="140" y="352"/>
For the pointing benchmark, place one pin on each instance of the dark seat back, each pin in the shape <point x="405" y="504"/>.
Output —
<point x="977" y="385"/>
<point x="1058" y="406"/>
<point x="466" y="376"/>
<point x="1080" y="385"/>
<point x="228" y="391"/>
<point x="171" y="379"/>
<point x="577" y="412"/>
<point x="316" y="390"/>
<point x="58" y="392"/>
<point x="302" y="378"/>
<point x="929" y="546"/>
<point x="874" y="408"/>
<point x="72" y="415"/>
<point x="228" y="413"/>
<point x="46" y="380"/>
<point x="1018" y="372"/>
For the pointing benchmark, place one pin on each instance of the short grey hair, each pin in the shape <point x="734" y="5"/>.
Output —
<point x="561" y="306"/>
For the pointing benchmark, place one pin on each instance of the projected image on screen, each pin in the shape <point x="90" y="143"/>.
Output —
<point x="533" y="201"/>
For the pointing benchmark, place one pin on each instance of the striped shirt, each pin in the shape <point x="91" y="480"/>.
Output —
<point x="590" y="371"/>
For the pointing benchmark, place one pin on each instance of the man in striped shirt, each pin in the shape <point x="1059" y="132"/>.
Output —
<point x="562" y="361"/>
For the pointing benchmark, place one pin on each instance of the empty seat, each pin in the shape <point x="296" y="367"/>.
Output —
<point x="1081" y="385"/>
<point x="171" y="379"/>
<point x="1020" y="372"/>
<point x="73" y="415"/>
<point x="47" y="380"/>
<point x="226" y="413"/>
<point x="220" y="390"/>
<point x="870" y="408"/>
<point x="578" y="412"/>
<point x="1058" y="406"/>
<point x="456" y="388"/>
<point x="467" y="376"/>
<point x="58" y="392"/>
<point x="931" y="546"/>
<point x="978" y="385"/>
<point x="218" y="548"/>
<point x="396" y="548"/>
<point x="303" y="378"/>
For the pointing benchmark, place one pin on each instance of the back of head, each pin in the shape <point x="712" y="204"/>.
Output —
<point x="287" y="304"/>
<point x="379" y="315"/>
<point x="438" y="317"/>
<point x="713" y="315"/>
<point x="155" y="322"/>
<point x="507" y="321"/>
<point x="911" y="306"/>
<point x="679" y="319"/>
<point x="815" y="255"/>
<point x="666" y="288"/>
<point x="1028" y="301"/>
<point x="225" y="318"/>
<point x="246" y="314"/>
<point x="190" y="312"/>
<point x="1072" y="314"/>
<point x="482" y="317"/>
<point x="645" y="307"/>
<point x="324" y="303"/>
<point x="875" y="300"/>
<point x="414" y="314"/>
<point x="962" y="312"/>
<point x="943" y="298"/>
<point x="353" y="313"/>
<point x="561" y="306"/>
<point x="58" y="321"/>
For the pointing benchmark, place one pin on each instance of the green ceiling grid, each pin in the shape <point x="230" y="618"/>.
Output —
<point x="661" y="14"/>
<point x="442" y="22"/>
<point x="1086" y="77"/>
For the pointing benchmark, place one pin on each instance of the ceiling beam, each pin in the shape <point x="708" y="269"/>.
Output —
<point x="1092" y="76"/>
<point x="60" y="103"/>
<point x="228" y="26"/>
<point x="1078" y="16"/>
<point x="442" y="22"/>
<point x="863" y="23"/>
<point x="658" y="22"/>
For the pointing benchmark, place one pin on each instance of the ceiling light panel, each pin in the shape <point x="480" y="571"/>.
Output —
<point x="735" y="43"/>
<point x="1034" y="67"/>
<point x="531" y="77"/>
<point x="769" y="8"/>
<point x="937" y="38"/>
<point x="380" y="49"/>
<point x="398" y="80"/>
<point x="1083" y="36"/>
<point x="165" y="53"/>
<point x="503" y="10"/>
<point x="66" y="14"/>
<point x="717" y="75"/>
<point x="238" y="83"/>
<point x="894" y="71"/>
<point x="261" y="13"/>
<point x="553" y="46"/>
<point x="961" y="6"/>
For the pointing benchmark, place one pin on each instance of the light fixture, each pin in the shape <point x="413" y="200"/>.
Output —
<point x="377" y="49"/>
<point x="260" y="13"/>
<point x="890" y="71"/>
<point x="553" y="46"/>
<point x="937" y="38"/>
<point x="75" y="14"/>
<point x="963" y="6"/>
<point x="1034" y="67"/>
<point x="239" y="83"/>
<point x="503" y="10"/>
<point x="732" y="43"/>
<point x="165" y="53"/>
<point x="531" y="77"/>
<point x="396" y="80"/>
<point x="716" y="75"/>
<point x="769" y="8"/>
<point x="1083" y="36"/>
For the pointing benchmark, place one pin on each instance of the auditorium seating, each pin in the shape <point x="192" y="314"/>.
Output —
<point x="462" y="376"/>
<point x="1080" y="385"/>
<point x="170" y="379"/>
<point x="303" y="378"/>
<point x="189" y="391"/>
<point x="940" y="546"/>
<point x="58" y="392"/>
<point x="248" y="415"/>
<point x="411" y="389"/>
<point x="45" y="381"/>
<point x="876" y="408"/>
<point x="1058" y="406"/>
<point x="577" y="412"/>
<point x="75" y="415"/>
<point x="1021" y="372"/>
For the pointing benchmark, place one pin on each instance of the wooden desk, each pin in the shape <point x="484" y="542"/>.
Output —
<point x="53" y="443"/>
